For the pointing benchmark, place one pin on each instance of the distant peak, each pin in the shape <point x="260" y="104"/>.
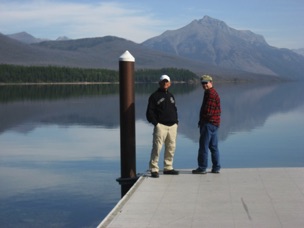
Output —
<point x="62" y="38"/>
<point x="210" y="20"/>
<point x="25" y="37"/>
<point x="23" y="34"/>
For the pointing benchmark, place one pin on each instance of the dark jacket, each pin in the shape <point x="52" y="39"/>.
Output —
<point x="161" y="108"/>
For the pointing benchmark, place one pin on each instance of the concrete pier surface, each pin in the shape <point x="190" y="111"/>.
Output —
<point x="250" y="197"/>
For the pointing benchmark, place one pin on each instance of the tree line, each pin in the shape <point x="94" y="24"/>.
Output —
<point x="56" y="74"/>
<point x="20" y="92"/>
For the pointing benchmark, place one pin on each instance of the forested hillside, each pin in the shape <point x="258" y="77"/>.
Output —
<point x="52" y="74"/>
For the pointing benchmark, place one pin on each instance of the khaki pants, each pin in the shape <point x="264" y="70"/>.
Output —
<point x="163" y="134"/>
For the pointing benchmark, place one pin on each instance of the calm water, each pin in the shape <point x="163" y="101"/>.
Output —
<point x="60" y="145"/>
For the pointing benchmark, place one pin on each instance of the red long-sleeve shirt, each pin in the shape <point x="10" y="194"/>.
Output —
<point x="211" y="108"/>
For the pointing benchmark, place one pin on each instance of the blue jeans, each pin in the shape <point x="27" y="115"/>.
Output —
<point x="208" y="140"/>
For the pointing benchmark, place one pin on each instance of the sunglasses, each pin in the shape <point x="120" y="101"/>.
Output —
<point x="204" y="83"/>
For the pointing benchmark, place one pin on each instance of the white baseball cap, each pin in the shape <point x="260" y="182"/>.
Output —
<point x="164" y="77"/>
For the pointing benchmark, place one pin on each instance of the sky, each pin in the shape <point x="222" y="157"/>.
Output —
<point x="280" y="22"/>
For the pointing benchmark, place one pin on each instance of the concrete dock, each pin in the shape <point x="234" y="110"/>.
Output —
<point x="251" y="197"/>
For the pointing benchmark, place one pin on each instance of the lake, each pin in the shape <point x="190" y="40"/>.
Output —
<point x="60" y="145"/>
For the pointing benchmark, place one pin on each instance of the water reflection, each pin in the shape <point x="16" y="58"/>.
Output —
<point x="245" y="106"/>
<point x="59" y="154"/>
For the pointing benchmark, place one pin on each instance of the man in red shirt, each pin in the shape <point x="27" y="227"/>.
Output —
<point x="209" y="122"/>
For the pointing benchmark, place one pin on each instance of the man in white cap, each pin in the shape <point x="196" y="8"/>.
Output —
<point x="162" y="113"/>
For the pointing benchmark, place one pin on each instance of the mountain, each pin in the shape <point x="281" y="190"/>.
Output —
<point x="63" y="38"/>
<point x="18" y="53"/>
<point x="101" y="52"/>
<point x="211" y="41"/>
<point x="24" y="37"/>
<point x="299" y="51"/>
<point x="203" y="46"/>
<point x="104" y="52"/>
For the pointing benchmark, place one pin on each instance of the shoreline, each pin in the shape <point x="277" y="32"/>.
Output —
<point x="218" y="81"/>
<point x="56" y="83"/>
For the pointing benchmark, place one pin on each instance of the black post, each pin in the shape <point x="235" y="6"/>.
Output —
<point x="127" y="123"/>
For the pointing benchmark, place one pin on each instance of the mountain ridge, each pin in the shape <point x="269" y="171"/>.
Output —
<point x="213" y="42"/>
<point x="25" y="37"/>
<point x="203" y="46"/>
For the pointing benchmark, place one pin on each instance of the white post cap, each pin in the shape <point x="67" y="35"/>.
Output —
<point x="127" y="57"/>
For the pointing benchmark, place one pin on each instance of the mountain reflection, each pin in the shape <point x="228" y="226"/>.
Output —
<point x="244" y="106"/>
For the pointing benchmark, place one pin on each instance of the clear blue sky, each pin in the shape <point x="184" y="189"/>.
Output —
<point x="281" y="22"/>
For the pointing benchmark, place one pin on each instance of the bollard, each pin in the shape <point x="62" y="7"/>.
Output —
<point x="127" y="123"/>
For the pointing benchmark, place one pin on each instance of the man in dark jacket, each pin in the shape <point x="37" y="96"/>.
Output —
<point x="162" y="113"/>
<point x="209" y="122"/>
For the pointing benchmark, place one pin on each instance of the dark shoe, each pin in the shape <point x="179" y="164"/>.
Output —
<point x="154" y="174"/>
<point x="199" y="171"/>
<point x="171" y="172"/>
<point x="215" y="171"/>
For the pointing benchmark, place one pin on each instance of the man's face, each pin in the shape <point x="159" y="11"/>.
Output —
<point x="207" y="85"/>
<point x="164" y="84"/>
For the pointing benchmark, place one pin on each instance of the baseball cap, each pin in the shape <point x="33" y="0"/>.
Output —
<point x="164" y="77"/>
<point x="206" y="78"/>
